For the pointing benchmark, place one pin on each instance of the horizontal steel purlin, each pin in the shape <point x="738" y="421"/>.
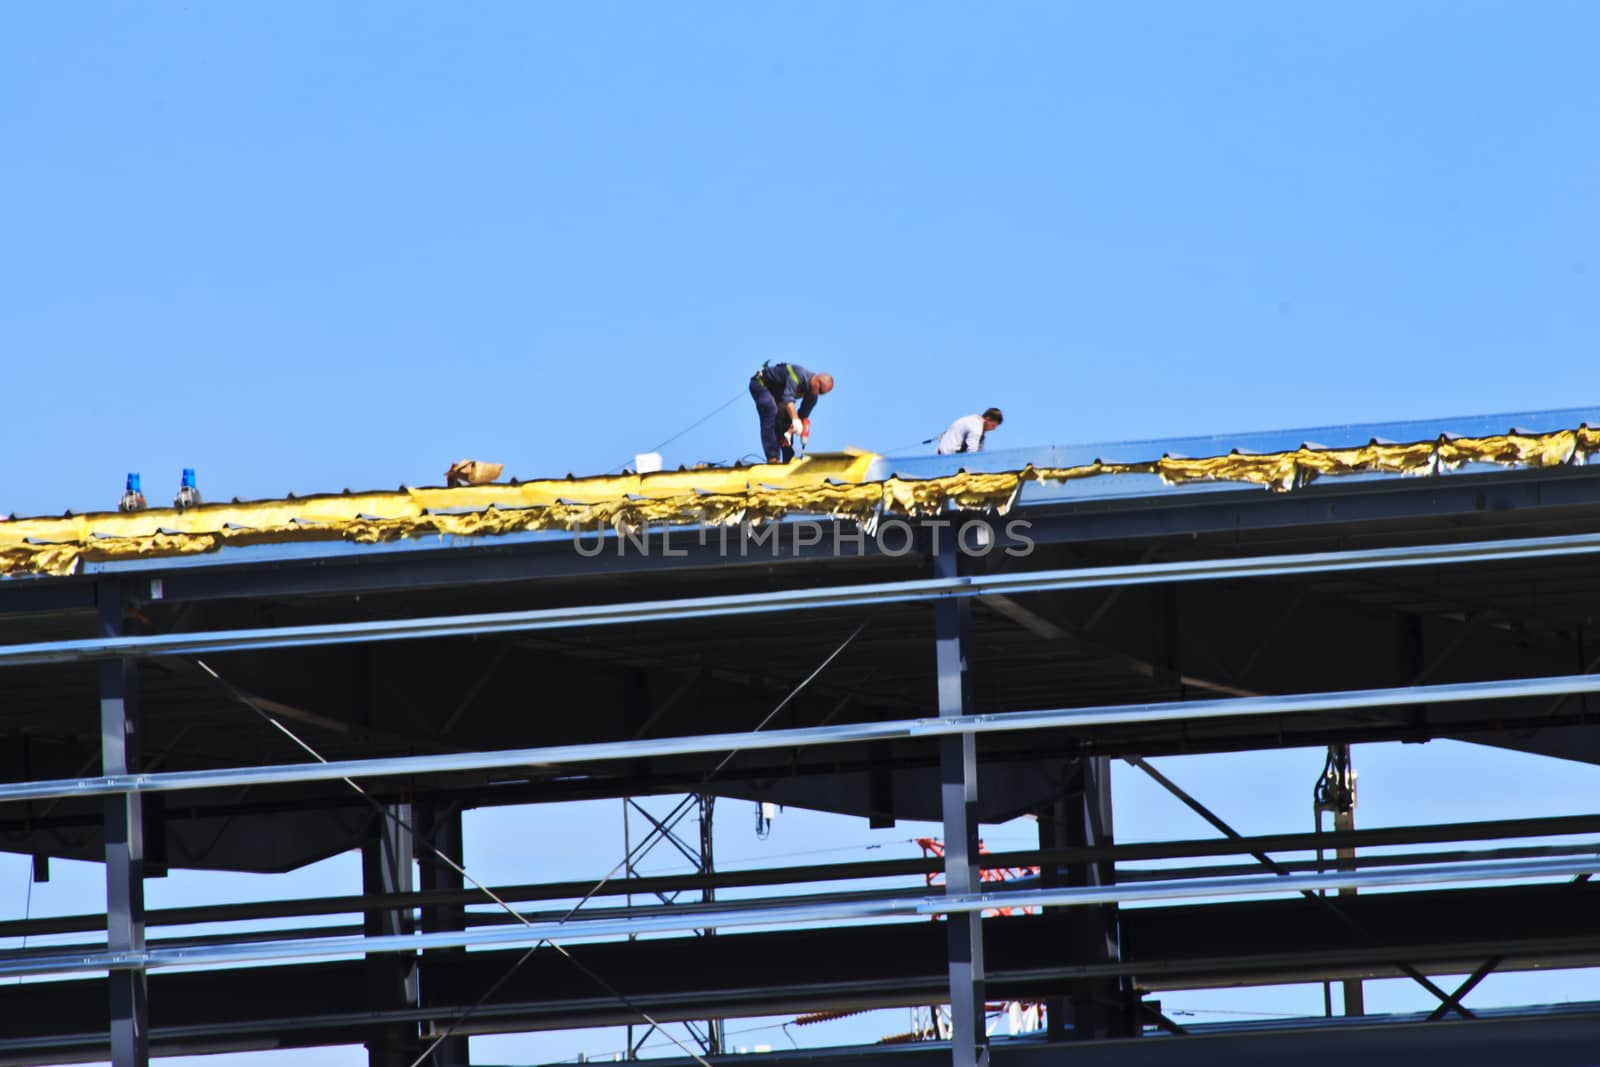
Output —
<point x="893" y="730"/>
<point x="790" y="914"/>
<point x="79" y="649"/>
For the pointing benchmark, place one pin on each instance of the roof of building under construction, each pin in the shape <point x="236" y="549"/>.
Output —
<point x="853" y="485"/>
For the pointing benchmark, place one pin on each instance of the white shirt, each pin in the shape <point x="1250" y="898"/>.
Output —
<point x="964" y="435"/>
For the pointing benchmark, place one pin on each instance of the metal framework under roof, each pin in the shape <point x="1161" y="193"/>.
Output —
<point x="139" y="698"/>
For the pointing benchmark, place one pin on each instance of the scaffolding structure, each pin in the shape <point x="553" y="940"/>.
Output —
<point x="662" y="832"/>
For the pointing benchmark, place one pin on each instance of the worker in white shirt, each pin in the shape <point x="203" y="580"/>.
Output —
<point x="966" y="433"/>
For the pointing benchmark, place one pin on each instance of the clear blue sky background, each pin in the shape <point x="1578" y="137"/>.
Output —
<point x="305" y="246"/>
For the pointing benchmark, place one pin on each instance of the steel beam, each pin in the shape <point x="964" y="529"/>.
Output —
<point x="200" y="643"/>
<point x="902" y="729"/>
<point x="124" y="842"/>
<point x="765" y="914"/>
<point x="453" y="562"/>
<point x="448" y="897"/>
<point x="504" y="917"/>
<point x="1548" y="1038"/>
<point x="1535" y="496"/>
<point x="1257" y="942"/>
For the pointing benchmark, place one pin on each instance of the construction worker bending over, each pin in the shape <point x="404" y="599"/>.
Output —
<point x="966" y="433"/>
<point x="777" y="388"/>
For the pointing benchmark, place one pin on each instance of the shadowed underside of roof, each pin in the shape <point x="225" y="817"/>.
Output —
<point x="832" y="484"/>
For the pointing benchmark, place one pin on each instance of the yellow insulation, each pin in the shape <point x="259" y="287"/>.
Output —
<point x="828" y="484"/>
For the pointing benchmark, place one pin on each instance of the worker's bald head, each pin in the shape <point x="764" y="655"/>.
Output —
<point x="823" y="383"/>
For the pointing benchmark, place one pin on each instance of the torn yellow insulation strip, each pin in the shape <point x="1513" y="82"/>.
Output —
<point x="827" y="484"/>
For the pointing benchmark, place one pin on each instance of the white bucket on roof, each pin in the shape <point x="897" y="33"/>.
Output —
<point x="647" y="462"/>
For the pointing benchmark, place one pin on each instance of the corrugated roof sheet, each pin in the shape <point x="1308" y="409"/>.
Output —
<point x="834" y="484"/>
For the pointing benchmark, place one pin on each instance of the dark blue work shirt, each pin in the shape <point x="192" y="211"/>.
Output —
<point x="789" y="382"/>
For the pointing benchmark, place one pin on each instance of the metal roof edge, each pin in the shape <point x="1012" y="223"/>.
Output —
<point x="1260" y="441"/>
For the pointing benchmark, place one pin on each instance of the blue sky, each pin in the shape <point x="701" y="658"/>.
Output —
<point x="306" y="246"/>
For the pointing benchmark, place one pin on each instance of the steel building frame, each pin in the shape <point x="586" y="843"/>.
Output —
<point x="952" y="727"/>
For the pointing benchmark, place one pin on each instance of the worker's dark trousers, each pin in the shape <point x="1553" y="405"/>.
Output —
<point x="774" y="420"/>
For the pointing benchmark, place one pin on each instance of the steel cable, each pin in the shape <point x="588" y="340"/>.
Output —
<point x="665" y="825"/>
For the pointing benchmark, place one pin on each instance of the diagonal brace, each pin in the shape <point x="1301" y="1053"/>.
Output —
<point x="1447" y="1001"/>
<point x="1454" y="1000"/>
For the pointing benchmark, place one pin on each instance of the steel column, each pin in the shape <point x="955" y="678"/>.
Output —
<point x="958" y="796"/>
<point x="386" y="868"/>
<point x="1052" y="838"/>
<point x="441" y="829"/>
<point x="1080" y="818"/>
<point x="124" y="842"/>
<point x="708" y="895"/>
<point x="1100" y="1009"/>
